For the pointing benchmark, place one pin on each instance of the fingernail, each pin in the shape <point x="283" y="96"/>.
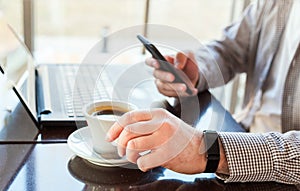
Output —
<point x="120" y="153"/>
<point x="183" y="87"/>
<point x="195" y="91"/>
<point x="153" y="63"/>
<point x="178" y="65"/>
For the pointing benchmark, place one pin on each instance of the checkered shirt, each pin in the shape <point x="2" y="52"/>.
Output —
<point x="262" y="157"/>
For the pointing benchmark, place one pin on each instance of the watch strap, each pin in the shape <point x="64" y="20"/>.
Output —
<point x="212" y="150"/>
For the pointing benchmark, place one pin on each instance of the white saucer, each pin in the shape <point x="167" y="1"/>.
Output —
<point x="80" y="142"/>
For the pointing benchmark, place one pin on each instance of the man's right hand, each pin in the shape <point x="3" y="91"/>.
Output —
<point x="164" y="80"/>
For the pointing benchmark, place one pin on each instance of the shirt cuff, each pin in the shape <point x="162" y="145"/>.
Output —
<point x="248" y="157"/>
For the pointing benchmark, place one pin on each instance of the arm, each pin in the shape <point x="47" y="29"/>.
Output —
<point x="220" y="60"/>
<point x="262" y="157"/>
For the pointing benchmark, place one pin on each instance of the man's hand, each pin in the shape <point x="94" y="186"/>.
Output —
<point x="170" y="142"/>
<point x="184" y="62"/>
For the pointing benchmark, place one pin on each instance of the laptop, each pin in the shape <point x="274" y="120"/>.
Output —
<point x="54" y="94"/>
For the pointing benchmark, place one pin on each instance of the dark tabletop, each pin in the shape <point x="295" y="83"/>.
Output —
<point x="41" y="160"/>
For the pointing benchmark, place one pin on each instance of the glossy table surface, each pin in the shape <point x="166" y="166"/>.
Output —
<point x="42" y="160"/>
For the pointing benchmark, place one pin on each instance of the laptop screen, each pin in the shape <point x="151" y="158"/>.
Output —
<point x="17" y="64"/>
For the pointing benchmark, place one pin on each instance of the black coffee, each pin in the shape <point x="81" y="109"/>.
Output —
<point x="108" y="112"/>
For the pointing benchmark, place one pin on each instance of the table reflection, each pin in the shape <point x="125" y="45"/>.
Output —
<point x="110" y="178"/>
<point x="128" y="178"/>
<point x="212" y="184"/>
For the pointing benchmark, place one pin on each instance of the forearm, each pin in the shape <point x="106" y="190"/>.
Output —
<point x="262" y="157"/>
<point x="218" y="62"/>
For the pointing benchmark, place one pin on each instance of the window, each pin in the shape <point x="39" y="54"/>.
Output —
<point x="65" y="30"/>
<point x="12" y="13"/>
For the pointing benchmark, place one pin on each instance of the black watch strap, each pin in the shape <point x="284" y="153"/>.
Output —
<point x="212" y="150"/>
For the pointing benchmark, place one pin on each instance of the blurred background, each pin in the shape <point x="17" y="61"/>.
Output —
<point x="63" y="31"/>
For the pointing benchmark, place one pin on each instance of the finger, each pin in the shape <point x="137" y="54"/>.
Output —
<point x="136" y="130"/>
<point x="134" y="117"/>
<point x="179" y="88"/>
<point x="151" y="160"/>
<point x="152" y="63"/>
<point x="177" y="94"/>
<point x="136" y="147"/>
<point x="185" y="94"/>
<point x="126" y="119"/>
<point x="148" y="142"/>
<point x="194" y="91"/>
<point x="139" y="129"/>
<point x="143" y="128"/>
<point x="174" y="89"/>
<point x="113" y="132"/>
<point x="123" y="140"/>
<point x="180" y="60"/>
<point x="163" y="75"/>
<point x="168" y="93"/>
<point x="170" y="59"/>
<point x="165" y="152"/>
<point x="147" y="129"/>
<point x="133" y="155"/>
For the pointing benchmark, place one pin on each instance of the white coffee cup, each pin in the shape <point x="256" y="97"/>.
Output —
<point x="100" y="116"/>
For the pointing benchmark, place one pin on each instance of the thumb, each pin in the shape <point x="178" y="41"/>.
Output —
<point x="180" y="60"/>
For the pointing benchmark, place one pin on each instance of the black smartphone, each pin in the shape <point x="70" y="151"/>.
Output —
<point x="180" y="76"/>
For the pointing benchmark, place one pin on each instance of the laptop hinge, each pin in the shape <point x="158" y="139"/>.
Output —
<point x="43" y="91"/>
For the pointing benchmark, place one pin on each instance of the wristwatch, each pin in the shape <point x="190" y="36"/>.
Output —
<point x="212" y="150"/>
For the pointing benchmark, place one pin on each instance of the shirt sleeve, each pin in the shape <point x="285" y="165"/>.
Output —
<point x="219" y="60"/>
<point x="262" y="157"/>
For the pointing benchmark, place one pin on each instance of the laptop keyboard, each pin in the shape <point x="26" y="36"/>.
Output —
<point x="83" y="84"/>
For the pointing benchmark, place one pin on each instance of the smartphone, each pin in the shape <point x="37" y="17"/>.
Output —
<point x="180" y="76"/>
